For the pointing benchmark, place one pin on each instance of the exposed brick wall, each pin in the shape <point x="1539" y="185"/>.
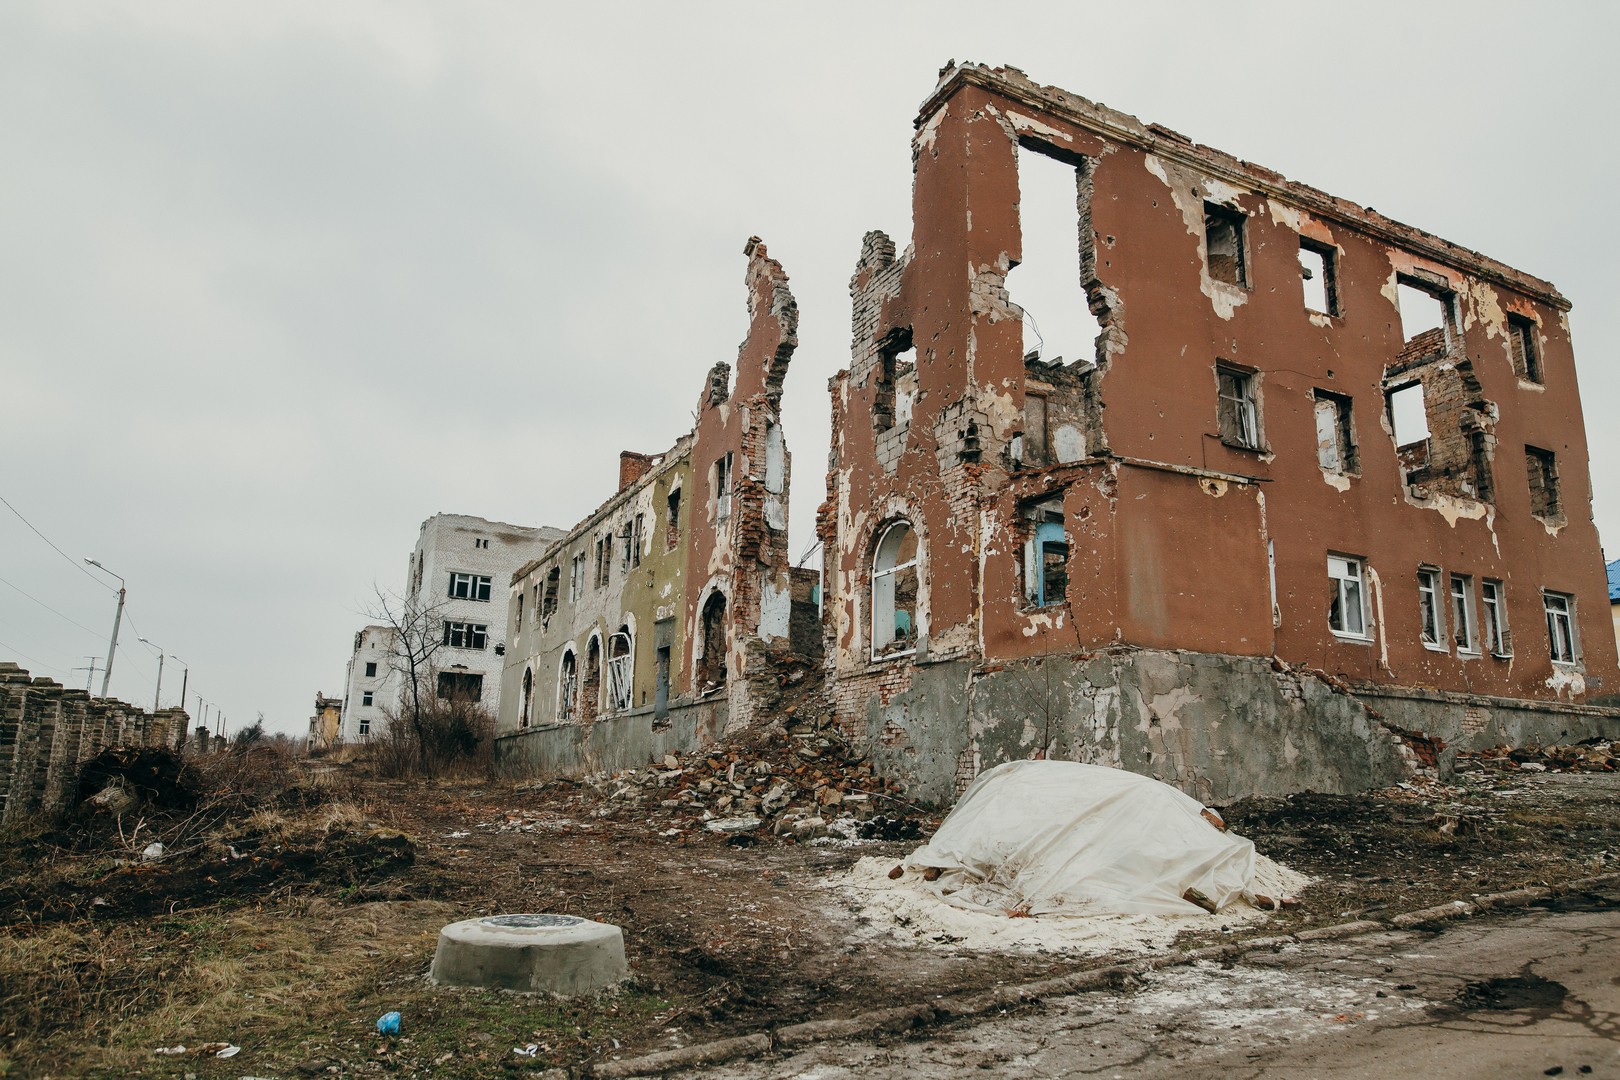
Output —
<point x="47" y="731"/>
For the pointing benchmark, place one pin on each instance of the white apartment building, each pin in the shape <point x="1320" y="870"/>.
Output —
<point x="460" y="574"/>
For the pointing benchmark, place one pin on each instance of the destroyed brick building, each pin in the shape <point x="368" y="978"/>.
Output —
<point x="663" y="618"/>
<point x="1319" y="482"/>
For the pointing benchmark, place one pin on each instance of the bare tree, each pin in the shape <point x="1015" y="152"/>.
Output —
<point x="418" y="633"/>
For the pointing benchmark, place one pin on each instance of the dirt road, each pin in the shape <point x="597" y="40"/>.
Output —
<point x="1521" y="996"/>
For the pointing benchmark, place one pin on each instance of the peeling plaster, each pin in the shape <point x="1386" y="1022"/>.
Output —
<point x="1567" y="680"/>
<point x="775" y="610"/>
<point x="1181" y="183"/>
<point x="1022" y="123"/>
<point x="1338" y="481"/>
<point x="1376" y="584"/>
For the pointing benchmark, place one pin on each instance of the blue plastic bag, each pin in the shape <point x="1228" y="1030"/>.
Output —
<point x="388" y="1023"/>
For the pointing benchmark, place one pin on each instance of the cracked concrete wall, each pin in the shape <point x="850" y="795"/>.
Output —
<point x="1176" y="534"/>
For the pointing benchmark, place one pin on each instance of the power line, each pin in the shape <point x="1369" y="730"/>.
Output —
<point x="48" y="607"/>
<point x="71" y="560"/>
<point x="18" y="652"/>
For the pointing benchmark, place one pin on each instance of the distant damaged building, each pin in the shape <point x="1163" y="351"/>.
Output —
<point x="666" y="617"/>
<point x="1309" y="503"/>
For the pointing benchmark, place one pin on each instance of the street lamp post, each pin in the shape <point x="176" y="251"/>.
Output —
<point x="118" y="617"/>
<point x="185" y="679"/>
<point x="157" y="698"/>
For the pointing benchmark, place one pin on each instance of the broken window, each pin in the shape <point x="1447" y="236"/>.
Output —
<point x="621" y="690"/>
<point x="604" y="560"/>
<point x="637" y="529"/>
<point x="720" y="482"/>
<point x="1429" y="608"/>
<point x="712" y="664"/>
<point x="1223" y="241"/>
<point x="1347" y="603"/>
<point x="1318" y="271"/>
<point x="1425" y="308"/>
<point x="1543" y="470"/>
<point x="576" y="577"/>
<point x="1237" y="408"/>
<point x="1408" y="415"/>
<point x="469" y="587"/>
<point x="672" y="520"/>
<point x="460" y="686"/>
<point x="894" y="591"/>
<point x="590" y="686"/>
<point x="519" y="622"/>
<point x="1335" y="433"/>
<point x="1522" y="348"/>
<point x="896" y="363"/>
<point x="466" y="635"/>
<point x="1462" y="613"/>
<point x="548" y="601"/>
<point x="528" y="698"/>
<point x="1048" y="281"/>
<point x="1561" y="639"/>
<point x="567" y="686"/>
<point x="1046" y="560"/>
<point x="1493" y="605"/>
<point x="626" y="546"/>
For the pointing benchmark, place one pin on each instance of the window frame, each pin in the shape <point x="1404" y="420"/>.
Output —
<point x="1431" y="609"/>
<point x="722" y="479"/>
<point x="1343" y="435"/>
<point x="460" y="634"/>
<point x="1359" y="579"/>
<point x="1525" y="358"/>
<point x="1495" y="636"/>
<point x="1244" y="407"/>
<point x="474" y="587"/>
<point x="371" y="669"/>
<point x="1572" y="634"/>
<point x="1544" y="462"/>
<point x="367" y="698"/>
<point x="1237" y="221"/>
<point x="567" y="685"/>
<point x="1465" y="631"/>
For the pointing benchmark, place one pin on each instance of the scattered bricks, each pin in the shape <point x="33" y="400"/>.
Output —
<point x="686" y="1057"/>
<point x="1193" y="896"/>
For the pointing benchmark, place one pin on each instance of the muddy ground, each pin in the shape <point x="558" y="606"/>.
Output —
<point x="289" y="925"/>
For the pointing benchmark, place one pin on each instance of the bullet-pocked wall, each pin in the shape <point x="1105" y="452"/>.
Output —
<point x="1297" y="430"/>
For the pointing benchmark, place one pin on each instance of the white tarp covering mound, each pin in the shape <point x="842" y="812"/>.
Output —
<point x="1059" y="837"/>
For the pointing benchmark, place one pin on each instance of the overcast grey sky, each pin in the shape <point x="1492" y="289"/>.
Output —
<point x="280" y="280"/>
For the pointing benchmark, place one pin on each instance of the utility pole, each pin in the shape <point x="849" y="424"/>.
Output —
<point x="95" y="662"/>
<point x="185" y="679"/>
<point x="118" y="617"/>
<point x="157" y="697"/>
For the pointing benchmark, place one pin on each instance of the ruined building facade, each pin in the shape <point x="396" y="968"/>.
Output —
<point x="663" y="618"/>
<point x="1267" y="526"/>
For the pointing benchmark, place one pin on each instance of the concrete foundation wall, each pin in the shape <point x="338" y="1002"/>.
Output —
<point x="625" y="741"/>
<point x="47" y="731"/>
<point x="1218" y="727"/>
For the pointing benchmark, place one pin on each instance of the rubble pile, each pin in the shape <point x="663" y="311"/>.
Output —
<point x="801" y="783"/>
<point x="1590" y="755"/>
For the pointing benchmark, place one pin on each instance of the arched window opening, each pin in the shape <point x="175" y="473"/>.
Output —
<point x="621" y="670"/>
<point x="528" y="697"/>
<point x="712" y="664"/>
<point x="568" y="688"/>
<point x="894" y="592"/>
<point x="590" y="687"/>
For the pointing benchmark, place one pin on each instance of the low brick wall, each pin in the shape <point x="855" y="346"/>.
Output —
<point x="47" y="731"/>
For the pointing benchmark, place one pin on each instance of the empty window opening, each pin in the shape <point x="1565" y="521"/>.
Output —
<point x="1493" y="608"/>
<point x="576" y="577"/>
<point x="1423" y="308"/>
<point x="627" y="538"/>
<point x="469" y="587"/>
<point x="519" y="611"/>
<point x="460" y="686"/>
<point x="621" y="671"/>
<point x="1409" y="415"/>
<point x="894" y="591"/>
<point x="638" y="528"/>
<point x="1335" y="433"/>
<point x="1522" y="348"/>
<point x="661" y="683"/>
<point x="1318" y="273"/>
<point x="1561" y="639"/>
<point x="548" y="600"/>
<point x="1479" y="464"/>
<point x="1347" y="601"/>
<point x="672" y="519"/>
<point x="1543" y="470"/>
<point x="1238" y="409"/>
<point x="775" y="459"/>
<point x="528" y="698"/>
<point x="1046" y="555"/>
<point x="712" y="664"/>
<point x="1462" y="613"/>
<point x="1048" y="282"/>
<point x="1223" y="241"/>
<point x="720" y="482"/>
<point x="371" y="669"/>
<point x="590" y="686"/>
<point x="1433" y="632"/>
<point x="896" y="367"/>
<point x="568" y="687"/>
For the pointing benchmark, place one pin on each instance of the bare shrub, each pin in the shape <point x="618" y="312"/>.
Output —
<point x="445" y="737"/>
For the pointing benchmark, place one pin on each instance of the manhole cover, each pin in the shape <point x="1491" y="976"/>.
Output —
<point x="532" y="922"/>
